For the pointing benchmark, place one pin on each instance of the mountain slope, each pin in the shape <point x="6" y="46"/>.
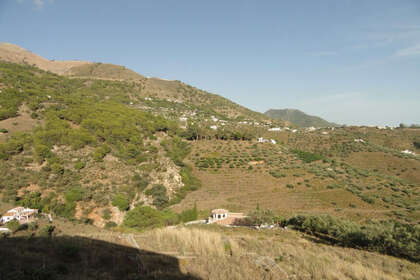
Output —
<point x="298" y="118"/>
<point x="191" y="99"/>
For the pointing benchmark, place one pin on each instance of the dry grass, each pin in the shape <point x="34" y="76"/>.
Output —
<point x="221" y="253"/>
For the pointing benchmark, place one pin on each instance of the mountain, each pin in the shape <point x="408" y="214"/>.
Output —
<point x="298" y="118"/>
<point x="173" y="93"/>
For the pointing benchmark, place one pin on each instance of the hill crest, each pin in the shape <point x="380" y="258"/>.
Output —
<point x="298" y="118"/>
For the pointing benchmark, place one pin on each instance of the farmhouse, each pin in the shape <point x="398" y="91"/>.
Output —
<point x="224" y="217"/>
<point x="18" y="213"/>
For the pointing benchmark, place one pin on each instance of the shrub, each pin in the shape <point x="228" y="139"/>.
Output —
<point x="109" y="225"/>
<point x="106" y="214"/>
<point x="32" y="200"/>
<point x="189" y="214"/>
<point x="143" y="217"/>
<point x="74" y="194"/>
<point x="3" y="130"/>
<point x="121" y="201"/>
<point x="46" y="230"/>
<point x="307" y="156"/>
<point x="158" y="192"/>
<point x="13" y="225"/>
<point x="79" y="165"/>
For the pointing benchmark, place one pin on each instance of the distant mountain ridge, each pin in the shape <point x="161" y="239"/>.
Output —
<point x="298" y="118"/>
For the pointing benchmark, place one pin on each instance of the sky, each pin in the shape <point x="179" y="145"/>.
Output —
<point x="350" y="62"/>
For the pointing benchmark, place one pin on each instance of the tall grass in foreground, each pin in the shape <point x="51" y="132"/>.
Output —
<point x="217" y="253"/>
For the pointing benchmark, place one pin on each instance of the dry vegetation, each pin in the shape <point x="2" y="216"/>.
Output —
<point x="222" y="253"/>
<point x="199" y="252"/>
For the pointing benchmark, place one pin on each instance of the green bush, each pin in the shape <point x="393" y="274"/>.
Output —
<point x="79" y="165"/>
<point x="109" y="225"/>
<point x="74" y="194"/>
<point x="32" y="200"/>
<point x="106" y="214"/>
<point x="13" y="225"/>
<point x="307" y="157"/>
<point x="142" y="217"/>
<point x="158" y="192"/>
<point x="121" y="201"/>
<point x="189" y="214"/>
<point x="46" y="230"/>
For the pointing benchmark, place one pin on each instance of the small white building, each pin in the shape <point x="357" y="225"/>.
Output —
<point x="274" y="129"/>
<point x="218" y="214"/>
<point x="18" y="213"/>
<point x="273" y="141"/>
<point x="359" y="140"/>
<point x="224" y="217"/>
<point x="408" y="152"/>
<point x="214" y="127"/>
<point x="260" y="140"/>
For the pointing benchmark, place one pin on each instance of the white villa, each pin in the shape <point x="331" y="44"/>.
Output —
<point x="18" y="213"/>
<point x="262" y="140"/>
<point x="224" y="217"/>
<point x="408" y="152"/>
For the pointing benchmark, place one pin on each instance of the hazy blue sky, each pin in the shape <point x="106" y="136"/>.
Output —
<point x="353" y="62"/>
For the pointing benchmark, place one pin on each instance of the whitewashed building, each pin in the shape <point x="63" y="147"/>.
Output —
<point x="18" y="213"/>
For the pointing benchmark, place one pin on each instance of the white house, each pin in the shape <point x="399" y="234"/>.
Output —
<point x="224" y="217"/>
<point x="408" y="152"/>
<point x="260" y="140"/>
<point x="273" y="141"/>
<point x="18" y="213"/>
<point x="214" y="127"/>
<point x="274" y="129"/>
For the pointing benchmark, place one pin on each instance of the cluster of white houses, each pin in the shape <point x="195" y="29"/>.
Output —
<point x="19" y="213"/>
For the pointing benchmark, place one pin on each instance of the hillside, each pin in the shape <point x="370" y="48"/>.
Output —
<point x="102" y="146"/>
<point x="64" y="250"/>
<point x="166" y="95"/>
<point x="298" y="118"/>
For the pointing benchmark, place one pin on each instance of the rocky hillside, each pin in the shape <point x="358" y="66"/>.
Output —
<point x="298" y="118"/>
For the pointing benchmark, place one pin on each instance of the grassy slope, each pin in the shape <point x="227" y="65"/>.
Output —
<point x="204" y="252"/>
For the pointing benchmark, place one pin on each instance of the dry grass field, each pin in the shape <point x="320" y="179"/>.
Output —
<point x="196" y="252"/>
<point x="238" y="253"/>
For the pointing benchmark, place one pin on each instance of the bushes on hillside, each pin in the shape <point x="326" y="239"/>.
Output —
<point x="158" y="192"/>
<point x="306" y="157"/>
<point x="142" y="217"/>
<point x="121" y="201"/>
<point x="189" y="214"/>
<point x="388" y="237"/>
<point x="74" y="194"/>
